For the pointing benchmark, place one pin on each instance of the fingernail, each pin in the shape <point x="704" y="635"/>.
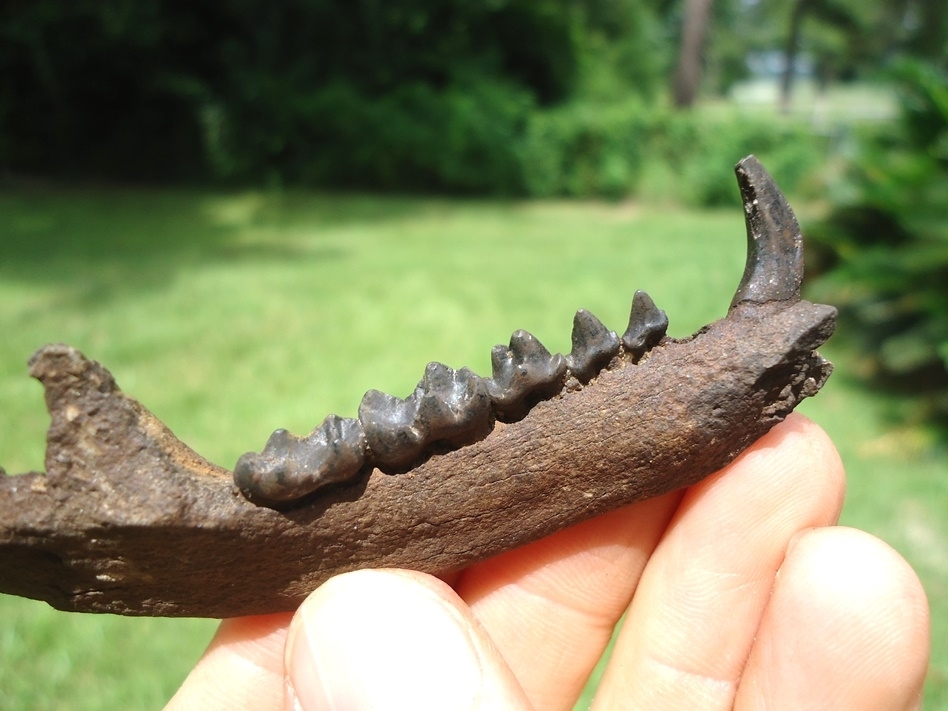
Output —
<point x="381" y="640"/>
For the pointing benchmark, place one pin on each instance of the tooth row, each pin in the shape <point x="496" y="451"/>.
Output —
<point x="290" y="467"/>
<point x="448" y="409"/>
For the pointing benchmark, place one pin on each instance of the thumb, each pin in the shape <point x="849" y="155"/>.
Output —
<point x="393" y="639"/>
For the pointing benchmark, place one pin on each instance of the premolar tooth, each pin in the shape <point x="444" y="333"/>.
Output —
<point x="454" y="405"/>
<point x="647" y="325"/>
<point x="594" y="346"/>
<point x="523" y="372"/>
<point x="393" y="433"/>
<point x="291" y="467"/>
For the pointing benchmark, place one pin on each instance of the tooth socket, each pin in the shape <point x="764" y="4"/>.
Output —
<point x="594" y="346"/>
<point x="291" y="467"/>
<point x="392" y="432"/>
<point x="454" y="406"/>
<point x="523" y="373"/>
<point x="647" y="326"/>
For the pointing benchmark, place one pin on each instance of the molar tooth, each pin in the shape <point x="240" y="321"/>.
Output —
<point x="594" y="346"/>
<point x="393" y="433"/>
<point x="647" y="325"/>
<point x="522" y="374"/>
<point x="454" y="406"/>
<point x="291" y="467"/>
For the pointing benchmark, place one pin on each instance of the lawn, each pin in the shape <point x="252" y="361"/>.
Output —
<point x="232" y="314"/>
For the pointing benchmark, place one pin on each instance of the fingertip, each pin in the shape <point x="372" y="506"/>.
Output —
<point x="391" y="639"/>
<point x="847" y="627"/>
<point x="242" y="667"/>
<point x="807" y="440"/>
<point x="861" y="578"/>
<point x="802" y="454"/>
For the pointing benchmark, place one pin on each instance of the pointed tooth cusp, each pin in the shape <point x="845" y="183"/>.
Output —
<point x="454" y="405"/>
<point x="774" y="268"/>
<point x="291" y="467"/>
<point x="594" y="346"/>
<point x="523" y="373"/>
<point x="392" y="431"/>
<point x="647" y="326"/>
<point x="281" y="439"/>
<point x="344" y="441"/>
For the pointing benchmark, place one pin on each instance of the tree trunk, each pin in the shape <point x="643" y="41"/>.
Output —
<point x="800" y="9"/>
<point x="694" y="33"/>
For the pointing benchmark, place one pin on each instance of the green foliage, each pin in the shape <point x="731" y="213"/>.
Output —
<point x="408" y="95"/>
<point x="459" y="138"/>
<point x="585" y="149"/>
<point x="510" y="97"/>
<point x="702" y="151"/>
<point x="886" y="243"/>
<point x="845" y="39"/>
<point x="588" y="148"/>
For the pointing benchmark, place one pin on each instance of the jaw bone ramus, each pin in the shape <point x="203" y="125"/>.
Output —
<point x="128" y="519"/>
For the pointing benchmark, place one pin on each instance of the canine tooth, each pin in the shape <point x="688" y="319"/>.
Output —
<point x="291" y="467"/>
<point x="647" y="325"/>
<point x="594" y="346"/>
<point x="525" y="369"/>
<point x="454" y="405"/>
<point x="774" y="267"/>
<point x="392" y="430"/>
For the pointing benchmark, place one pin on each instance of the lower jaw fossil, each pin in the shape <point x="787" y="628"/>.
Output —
<point x="128" y="519"/>
<point x="447" y="410"/>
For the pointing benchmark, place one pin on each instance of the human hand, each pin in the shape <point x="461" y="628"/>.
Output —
<point x="739" y="593"/>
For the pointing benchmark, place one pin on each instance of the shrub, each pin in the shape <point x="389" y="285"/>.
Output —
<point x="702" y="151"/>
<point x="885" y="246"/>
<point x="585" y="149"/>
<point x="462" y="138"/>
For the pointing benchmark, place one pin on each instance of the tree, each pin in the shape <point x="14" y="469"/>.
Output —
<point x="852" y="37"/>
<point x="694" y="32"/>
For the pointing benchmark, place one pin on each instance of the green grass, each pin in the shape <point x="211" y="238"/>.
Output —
<point x="231" y="314"/>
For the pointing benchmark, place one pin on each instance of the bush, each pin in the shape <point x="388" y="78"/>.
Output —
<point x="585" y="149"/>
<point x="702" y="151"/>
<point x="885" y="246"/>
<point x="417" y="94"/>
<point x="462" y="138"/>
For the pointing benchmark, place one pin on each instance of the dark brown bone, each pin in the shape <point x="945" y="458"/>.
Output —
<point x="129" y="520"/>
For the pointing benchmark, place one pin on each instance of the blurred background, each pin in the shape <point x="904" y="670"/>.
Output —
<point x="252" y="212"/>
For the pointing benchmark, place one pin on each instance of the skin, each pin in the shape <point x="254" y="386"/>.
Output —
<point x="739" y="593"/>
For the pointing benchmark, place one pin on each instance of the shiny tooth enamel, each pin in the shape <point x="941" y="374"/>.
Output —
<point x="454" y="407"/>
<point x="291" y="467"/>
<point x="594" y="346"/>
<point x="523" y="373"/>
<point x="448" y="409"/>
<point x="647" y="326"/>
<point x="392" y="432"/>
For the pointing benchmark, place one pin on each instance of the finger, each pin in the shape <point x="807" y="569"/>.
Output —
<point x="692" y="622"/>
<point x="551" y="606"/>
<point x="847" y="628"/>
<point x="392" y="639"/>
<point x="241" y="669"/>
